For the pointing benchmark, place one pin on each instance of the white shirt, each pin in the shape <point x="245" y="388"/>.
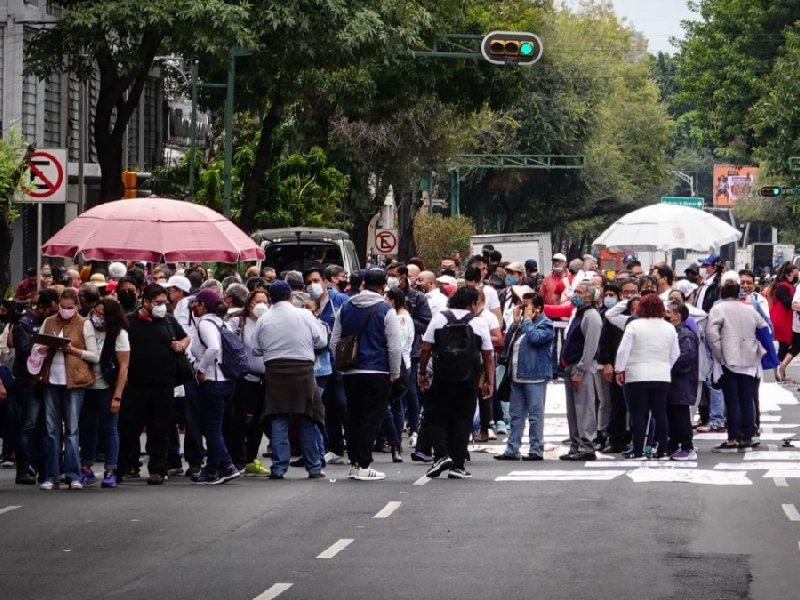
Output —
<point x="183" y="315"/>
<point x="648" y="349"/>
<point x="287" y="332"/>
<point x="492" y="299"/>
<point x="58" y="368"/>
<point x="701" y="294"/>
<point x="255" y="364"/>
<point x="206" y="348"/>
<point x="490" y="318"/>
<point x="122" y="344"/>
<point x="406" y="336"/>
<point x="796" y="314"/>
<point x="479" y="327"/>
<point x="436" y="300"/>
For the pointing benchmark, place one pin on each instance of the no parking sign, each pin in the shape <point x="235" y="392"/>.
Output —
<point x="48" y="182"/>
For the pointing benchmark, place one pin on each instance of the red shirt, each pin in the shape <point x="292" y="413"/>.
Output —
<point x="25" y="289"/>
<point x="552" y="287"/>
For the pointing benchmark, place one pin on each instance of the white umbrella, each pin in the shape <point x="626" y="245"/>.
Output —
<point x="664" y="227"/>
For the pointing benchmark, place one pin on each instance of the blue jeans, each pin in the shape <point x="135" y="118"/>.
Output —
<point x="62" y="406"/>
<point x="739" y="391"/>
<point x="411" y="399"/>
<point x="29" y="441"/>
<point x="214" y="397"/>
<point x="321" y="381"/>
<point x="308" y="443"/>
<point x="97" y="411"/>
<point x="716" y="406"/>
<point x="393" y="424"/>
<point x="527" y="401"/>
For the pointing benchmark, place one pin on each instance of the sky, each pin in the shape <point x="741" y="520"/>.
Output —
<point x="658" y="20"/>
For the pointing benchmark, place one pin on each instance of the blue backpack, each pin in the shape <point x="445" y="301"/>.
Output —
<point x="235" y="364"/>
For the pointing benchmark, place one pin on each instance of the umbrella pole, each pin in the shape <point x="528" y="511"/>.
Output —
<point x="39" y="244"/>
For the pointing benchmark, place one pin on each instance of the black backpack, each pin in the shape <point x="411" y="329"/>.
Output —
<point x="456" y="356"/>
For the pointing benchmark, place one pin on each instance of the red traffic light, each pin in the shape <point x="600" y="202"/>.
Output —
<point x="511" y="47"/>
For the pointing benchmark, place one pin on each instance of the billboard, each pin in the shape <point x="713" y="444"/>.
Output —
<point x="732" y="183"/>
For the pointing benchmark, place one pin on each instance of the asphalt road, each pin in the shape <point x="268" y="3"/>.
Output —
<point x="729" y="530"/>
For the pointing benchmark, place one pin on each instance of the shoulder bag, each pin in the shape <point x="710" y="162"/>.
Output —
<point x="347" y="349"/>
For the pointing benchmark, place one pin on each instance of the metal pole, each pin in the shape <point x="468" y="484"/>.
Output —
<point x="81" y="149"/>
<point x="39" y="244"/>
<point x="229" y="139"/>
<point x="430" y="194"/>
<point x="455" y="209"/>
<point x="193" y="133"/>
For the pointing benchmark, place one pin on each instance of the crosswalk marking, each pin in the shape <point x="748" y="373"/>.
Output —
<point x="698" y="476"/>
<point x="552" y="475"/>
<point x="772" y="455"/>
<point x="782" y="473"/>
<point x="651" y="464"/>
<point x="791" y="512"/>
<point x="758" y="466"/>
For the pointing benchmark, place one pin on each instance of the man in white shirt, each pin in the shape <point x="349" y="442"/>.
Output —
<point x="437" y="301"/>
<point x="454" y="392"/>
<point x="286" y="337"/>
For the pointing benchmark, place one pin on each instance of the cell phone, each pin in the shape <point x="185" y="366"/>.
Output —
<point x="742" y="295"/>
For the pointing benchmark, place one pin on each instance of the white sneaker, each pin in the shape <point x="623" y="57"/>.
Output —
<point x="334" y="459"/>
<point x="48" y="485"/>
<point x="75" y="485"/>
<point x="501" y="428"/>
<point x="353" y="472"/>
<point x="693" y="454"/>
<point x="369" y="475"/>
<point x="412" y="440"/>
<point x="492" y="434"/>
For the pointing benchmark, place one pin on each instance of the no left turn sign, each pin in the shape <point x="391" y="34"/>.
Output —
<point x="48" y="182"/>
<point x="386" y="241"/>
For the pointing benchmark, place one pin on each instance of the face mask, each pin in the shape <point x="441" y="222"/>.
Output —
<point x="315" y="290"/>
<point x="578" y="301"/>
<point x="647" y="292"/>
<point x="610" y="302"/>
<point x="67" y="313"/>
<point x="159" y="312"/>
<point x="342" y="285"/>
<point x="98" y="321"/>
<point x="259" y="310"/>
<point x="127" y="299"/>
<point x="393" y="282"/>
<point x="558" y="270"/>
<point x="795" y="279"/>
<point x="512" y="280"/>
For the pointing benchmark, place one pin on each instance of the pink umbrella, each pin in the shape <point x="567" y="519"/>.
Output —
<point x="154" y="230"/>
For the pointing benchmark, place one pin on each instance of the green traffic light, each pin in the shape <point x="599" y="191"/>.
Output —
<point x="777" y="191"/>
<point x="526" y="49"/>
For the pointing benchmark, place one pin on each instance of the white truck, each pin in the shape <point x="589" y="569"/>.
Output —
<point x="518" y="247"/>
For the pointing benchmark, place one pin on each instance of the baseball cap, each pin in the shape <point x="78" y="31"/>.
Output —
<point x="447" y="280"/>
<point x="180" y="282"/>
<point x="208" y="297"/>
<point x="516" y="267"/>
<point x="117" y="270"/>
<point x="531" y="264"/>
<point x="628" y="258"/>
<point x="685" y="287"/>
<point x="559" y="256"/>
<point x="693" y="268"/>
<point x="375" y="278"/>
<point x="710" y="259"/>
<point x="280" y="291"/>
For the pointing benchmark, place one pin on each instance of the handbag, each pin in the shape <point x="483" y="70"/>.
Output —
<point x="43" y="376"/>
<point x="184" y="372"/>
<point x="505" y="353"/>
<point x="400" y="385"/>
<point x="347" y="349"/>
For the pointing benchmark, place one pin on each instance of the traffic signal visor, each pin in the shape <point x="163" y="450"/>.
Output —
<point x="510" y="47"/>
<point x="769" y="192"/>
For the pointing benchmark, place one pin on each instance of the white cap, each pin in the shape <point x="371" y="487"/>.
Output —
<point x="729" y="276"/>
<point x="685" y="287"/>
<point x="182" y="283"/>
<point x="117" y="270"/>
<point x="559" y="256"/>
<point x="447" y="280"/>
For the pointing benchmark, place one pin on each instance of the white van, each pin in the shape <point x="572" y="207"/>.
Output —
<point x="295" y="248"/>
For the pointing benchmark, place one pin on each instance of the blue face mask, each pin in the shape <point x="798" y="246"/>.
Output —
<point x="512" y="280"/>
<point x="578" y="301"/>
<point x="610" y="302"/>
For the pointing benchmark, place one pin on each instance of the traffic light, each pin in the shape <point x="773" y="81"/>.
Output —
<point x="134" y="183"/>
<point x="129" y="181"/>
<point x="511" y="48"/>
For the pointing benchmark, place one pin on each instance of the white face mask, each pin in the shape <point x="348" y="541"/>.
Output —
<point x="159" y="312"/>
<point x="315" y="290"/>
<point x="259" y="310"/>
<point x="393" y="282"/>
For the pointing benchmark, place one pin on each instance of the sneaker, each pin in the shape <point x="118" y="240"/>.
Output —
<point x="192" y="471"/>
<point x="229" y="472"/>
<point x="756" y="441"/>
<point x="628" y="449"/>
<point x="681" y="455"/>
<point x="133" y="473"/>
<point x="88" y="478"/>
<point x="109" y="480"/>
<point x="334" y="459"/>
<point x="412" y="440"/>
<point x="256" y="469"/>
<point x="49" y="485"/>
<point x="155" y="479"/>
<point x="693" y="454"/>
<point x="25" y="479"/>
<point x="369" y="475"/>
<point x="532" y="457"/>
<point x="724" y="447"/>
<point x="745" y="447"/>
<point x="633" y="456"/>
<point x="175" y="472"/>
<point x="204" y="478"/>
<point x="421" y="457"/>
<point x="274" y="475"/>
<point x="7" y="463"/>
<point x="704" y="429"/>
<point x="505" y="456"/>
<point x="440" y="466"/>
<point x="491" y="434"/>
<point x="501" y="428"/>
<point x="76" y="485"/>
<point x="481" y="437"/>
<point x="459" y="474"/>
<point x="298" y="462"/>
<point x="317" y="475"/>
<point x="718" y="430"/>
<point x="648" y="451"/>
<point x="353" y="472"/>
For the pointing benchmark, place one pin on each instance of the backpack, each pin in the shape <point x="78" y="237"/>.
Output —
<point x="109" y="367"/>
<point x="456" y="356"/>
<point x="235" y="363"/>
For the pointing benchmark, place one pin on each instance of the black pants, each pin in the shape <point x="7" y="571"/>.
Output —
<point x="241" y="425"/>
<point x="335" y="401"/>
<point x="452" y="407"/>
<point x="151" y="406"/>
<point x="680" y="427"/>
<point x="645" y="397"/>
<point x="618" y="417"/>
<point x="424" y="444"/>
<point x="757" y="401"/>
<point x="367" y="401"/>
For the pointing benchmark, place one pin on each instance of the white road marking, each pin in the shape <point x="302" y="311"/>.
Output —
<point x="781" y="426"/>
<point x="765" y="437"/>
<point x="9" y="509"/>
<point x="781" y="482"/>
<point x="699" y="476"/>
<point x="772" y="447"/>
<point x="336" y="548"/>
<point x="758" y="466"/>
<point x="784" y="473"/>
<point x="770" y="418"/>
<point x="549" y="475"/>
<point x="387" y="510"/>
<point x="422" y="480"/>
<point x="772" y="455"/>
<point x="273" y="592"/>
<point x="656" y="464"/>
<point x="791" y="512"/>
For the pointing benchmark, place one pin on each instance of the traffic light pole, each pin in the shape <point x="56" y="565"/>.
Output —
<point x="193" y="132"/>
<point x="228" y="188"/>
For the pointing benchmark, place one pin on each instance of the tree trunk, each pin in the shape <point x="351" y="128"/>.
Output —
<point x="6" y="243"/>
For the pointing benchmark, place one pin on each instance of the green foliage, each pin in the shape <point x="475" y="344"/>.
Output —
<point x="436" y="236"/>
<point x="13" y="187"/>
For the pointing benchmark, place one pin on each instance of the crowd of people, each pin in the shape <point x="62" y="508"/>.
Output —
<point x="331" y="367"/>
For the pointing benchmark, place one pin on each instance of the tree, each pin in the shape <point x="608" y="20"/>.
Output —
<point x="118" y="41"/>
<point x="15" y="156"/>
<point x="437" y="236"/>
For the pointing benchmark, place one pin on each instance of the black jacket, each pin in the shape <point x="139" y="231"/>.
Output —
<point x="610" y="338"/>
<point x="21" y="334"/>
<point x="420" y="311"/>
<point x="683" y="388"/>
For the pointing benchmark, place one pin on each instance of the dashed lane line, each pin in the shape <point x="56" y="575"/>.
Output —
<point x="791" y="512"/>
<point x="336" y="548"/>
<point x="273" y="592"/>
<point x="387" y="510"/>
<point x="8" y="509"/>
<point x="422" y="480"/>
